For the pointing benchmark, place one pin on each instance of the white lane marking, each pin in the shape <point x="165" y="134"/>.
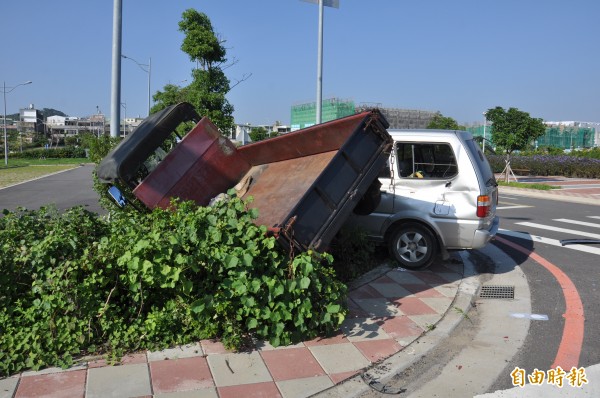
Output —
<point x="586" y="224"/>
<point x="556" y="229"/>
<point x="568" y="187"/>
<point x="509" y="197"/>
<point x="594" y="217"/>
<point x="512" y="207"/>
<point x="549" y="241"/>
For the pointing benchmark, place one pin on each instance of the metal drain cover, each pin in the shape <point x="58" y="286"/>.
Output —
<point x="497" y="292"/>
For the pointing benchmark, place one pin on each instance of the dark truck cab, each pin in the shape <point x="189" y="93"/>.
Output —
<point x="305" y="184"/>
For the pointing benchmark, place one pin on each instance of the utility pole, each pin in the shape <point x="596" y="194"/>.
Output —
<point x="115" y="102"/>
<point x="321" y="3"/>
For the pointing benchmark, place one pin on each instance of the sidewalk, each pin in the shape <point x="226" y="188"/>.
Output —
<point x="389" y="310"/>
<point x="574" y="190"/>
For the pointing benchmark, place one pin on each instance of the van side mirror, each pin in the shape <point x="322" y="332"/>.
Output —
<point x="117" y="196"/>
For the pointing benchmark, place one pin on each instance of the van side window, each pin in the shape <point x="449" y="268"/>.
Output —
<point x="426" y="160"/>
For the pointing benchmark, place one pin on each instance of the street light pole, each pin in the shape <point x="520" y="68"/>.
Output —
<point x="484" y="124"/>
<point x="5" y="135"/>
<point x="124" y="105"/>
<point x="115" y="101"/>
<point x="320" y="65"/>
<point x="148" y="71"/>
<point x="321" y="4"/>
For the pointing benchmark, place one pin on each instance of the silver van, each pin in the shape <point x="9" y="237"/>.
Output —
<point x="438" y="193"/>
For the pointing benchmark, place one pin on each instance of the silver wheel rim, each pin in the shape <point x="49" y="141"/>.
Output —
<point x="411" y="247"/>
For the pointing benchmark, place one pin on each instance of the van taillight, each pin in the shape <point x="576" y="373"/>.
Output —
<point x="483" y="205"/>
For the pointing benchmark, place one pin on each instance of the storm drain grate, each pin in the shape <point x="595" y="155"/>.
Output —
<point x="497" y="292"/>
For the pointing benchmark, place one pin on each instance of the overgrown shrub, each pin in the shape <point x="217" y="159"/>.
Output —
<point x="74" y="284"/>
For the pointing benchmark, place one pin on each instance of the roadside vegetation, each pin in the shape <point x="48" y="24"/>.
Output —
<point x="567" y="165"/>
<point x="74" y="284"/>
<point x="541" y="187"/>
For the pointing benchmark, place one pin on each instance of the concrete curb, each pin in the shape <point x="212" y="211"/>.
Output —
<point x="384" y="371"/>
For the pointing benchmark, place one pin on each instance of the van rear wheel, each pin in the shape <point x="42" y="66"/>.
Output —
<point x="413" y="246"/>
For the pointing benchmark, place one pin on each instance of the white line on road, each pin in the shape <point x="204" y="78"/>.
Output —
<point x="568" y="187"/>
<point x="556" y="229"/>
<point x="509" y="197"/>
<point x="549" y="241"/>
<point x="512" y="207"/>
<point x="586" y="224"/>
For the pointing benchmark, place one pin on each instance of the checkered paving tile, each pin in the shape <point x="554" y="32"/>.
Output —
<point x="385" y="314"/>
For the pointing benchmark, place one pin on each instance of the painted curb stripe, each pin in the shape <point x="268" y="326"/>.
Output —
<point x="571" y="343"/>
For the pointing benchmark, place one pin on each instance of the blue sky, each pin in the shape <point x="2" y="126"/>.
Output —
<point x="458" y="57"/>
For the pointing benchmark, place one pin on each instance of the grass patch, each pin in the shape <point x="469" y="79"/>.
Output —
<point x="16" y="174"/>
<point x="43" y="162"/>
<point x="542" y="187"/>
<point x="20" y="170"/>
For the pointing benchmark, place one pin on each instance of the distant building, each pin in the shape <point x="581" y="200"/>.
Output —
<point x="399" y="118"/>
<point x="570" y="135"/>
<point x="241" y="132"/>
<point x="564" y="135"/>
<point x="305" y="115"/>
<point x="130" y="124"/>
<point x="30" y="121"/>
<point x="60" y="127"/>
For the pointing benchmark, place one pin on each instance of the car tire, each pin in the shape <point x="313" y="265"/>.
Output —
<point x="413" y="246"/>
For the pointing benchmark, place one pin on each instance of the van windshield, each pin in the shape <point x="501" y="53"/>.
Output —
<point x="482" y="162"/>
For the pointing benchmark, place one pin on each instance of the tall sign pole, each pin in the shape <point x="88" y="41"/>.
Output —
<point x="115" y="101"/>
<point x="321" y="3"/>
<point x="320" y="65"/>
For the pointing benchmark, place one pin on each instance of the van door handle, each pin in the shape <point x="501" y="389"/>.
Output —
<point x="448" y="184"/>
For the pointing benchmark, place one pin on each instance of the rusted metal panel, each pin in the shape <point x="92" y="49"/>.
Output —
<point x="325" y="137"/>
<point x="304" y="184"/>
<point x="203" y="165"/>
<point x="282" y="184"/>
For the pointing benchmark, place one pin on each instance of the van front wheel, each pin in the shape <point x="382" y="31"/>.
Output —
<point x="413" y="246"/>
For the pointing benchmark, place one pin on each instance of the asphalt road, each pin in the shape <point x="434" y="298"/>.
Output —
<point x="65" y="190"/>
<point x="480" y="354"/>
<point x="539" y="225"/>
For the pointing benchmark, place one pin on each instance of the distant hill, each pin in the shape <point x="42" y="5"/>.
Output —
<point x="46" y="112"/>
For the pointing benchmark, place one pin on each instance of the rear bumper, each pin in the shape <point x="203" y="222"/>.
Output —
<point x="483" y="236"/>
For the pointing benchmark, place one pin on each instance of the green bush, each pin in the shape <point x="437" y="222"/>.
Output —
<point x="593" y="153"/>
<point x="51" y="153"/>
<point x="549" y="165"/>
<point x="76" y="284"/>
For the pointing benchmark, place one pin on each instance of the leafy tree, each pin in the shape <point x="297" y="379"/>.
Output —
<point x="513" y="129"/>
<point x="260" y="133"/>
<point x="171" y="95"/>
<point x="209" y="84"/>
<point x="201" y="42"/>
<point x="440" y="121"/>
